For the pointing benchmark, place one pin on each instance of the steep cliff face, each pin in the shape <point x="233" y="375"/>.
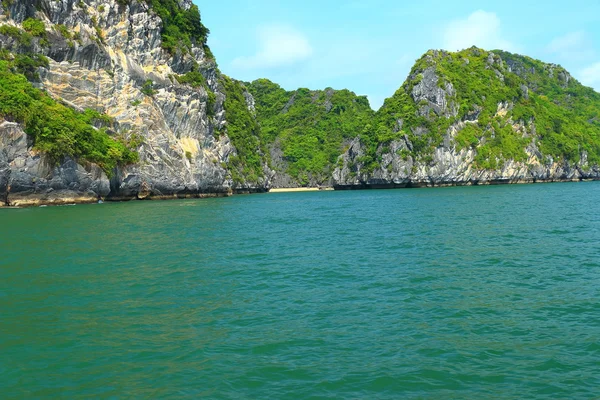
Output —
<point x="168" y="102"/>
<point x="122" y="99"/>
<point x="477" y="117"/>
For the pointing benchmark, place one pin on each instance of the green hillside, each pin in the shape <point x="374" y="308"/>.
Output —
<point x="310" y="127"/>
<point x="556" y="112"/>
<point x="53" y="127"/>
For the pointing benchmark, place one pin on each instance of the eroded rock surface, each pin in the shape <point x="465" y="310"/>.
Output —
<point x="184" y="148"/>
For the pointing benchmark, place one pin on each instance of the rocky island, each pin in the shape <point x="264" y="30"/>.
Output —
<point x="123" y="99"/>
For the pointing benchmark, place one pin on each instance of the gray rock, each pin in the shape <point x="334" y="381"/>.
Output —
<point x="450" y="164"/>
<point x="180" y="154"/>
<point x="430" y="96"/>
<point x="28" y="177"/>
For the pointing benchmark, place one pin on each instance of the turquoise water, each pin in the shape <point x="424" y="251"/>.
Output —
<point x="478" y="292"/>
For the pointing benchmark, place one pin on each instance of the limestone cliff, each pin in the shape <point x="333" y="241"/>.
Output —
<point x="155" y="118"/>
<point x="109" y="56"/>
<point x="477" y="117"/>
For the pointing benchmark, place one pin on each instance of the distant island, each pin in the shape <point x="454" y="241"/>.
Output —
<point x="123" y="99"/>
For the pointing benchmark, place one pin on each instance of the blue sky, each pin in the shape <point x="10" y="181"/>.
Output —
<point x="370" y="46"/>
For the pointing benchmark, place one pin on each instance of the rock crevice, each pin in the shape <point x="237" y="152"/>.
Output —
<point x="114" y="51"/>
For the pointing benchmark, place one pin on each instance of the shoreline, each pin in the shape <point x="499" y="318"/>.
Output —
<point x="33" y="201"/>
<point x="431" y="185"/>
<point x="301" y="189"/>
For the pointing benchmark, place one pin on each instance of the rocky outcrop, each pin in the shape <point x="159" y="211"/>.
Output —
<point x="417" y="157"/>
<point x="109" y="56"/>
<point x="433" y="95"/>
<point x="114" y="63"/>
<point x="28" y="177"/>
<point x="451" y="167"/>
<point x="305" y="130"/>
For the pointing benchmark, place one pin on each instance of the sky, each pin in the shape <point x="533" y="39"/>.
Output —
<point x="369" y="47"/>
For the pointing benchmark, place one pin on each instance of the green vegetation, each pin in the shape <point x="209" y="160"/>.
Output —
<point x="148" y="88"/>
<point x="26" y="64"/>
<point x="565" y="125"/>
<point x="310" y="126"/>
<point x="54" y="128"/>
<point x="181" y="28"/>
<point x="22" y="37"/>
<point x="64" y="31"/>
<point x="540" y="105"/>
<point x="7" y="3"/>
<point x="497" y="103"/>
<point x="34" y="27"/>
<point x="195" y="79"/>
<point x="99" y="34"/>
<point x="476" y="87"/>
<point x="244" y="132"/>
<point x="566" y="113"/>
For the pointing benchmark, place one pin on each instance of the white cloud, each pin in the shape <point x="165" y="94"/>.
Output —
<point x="574" y="46"/>
<point x="590" y="76"/>
<point x="481" y="28"/>
<point x="279" y="45"/>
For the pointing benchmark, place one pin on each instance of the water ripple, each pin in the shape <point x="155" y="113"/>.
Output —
<point x="482" y="292"/>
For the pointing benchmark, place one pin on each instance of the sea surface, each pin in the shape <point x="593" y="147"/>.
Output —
<point x="449" y="293"/>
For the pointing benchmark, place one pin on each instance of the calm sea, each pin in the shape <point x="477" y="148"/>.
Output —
<point x="477" y="292"/>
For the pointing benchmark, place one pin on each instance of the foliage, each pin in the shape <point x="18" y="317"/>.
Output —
<point x="244" y="132"/>
<point x="543" y="98"/>
<point x="34" y="27"/>
<point x="55" y="128"/>
<point x="22" y="37"/>
<point x="566" y="114"/>
<point x="541" y="106"/>
<point x="311" y="126"/>
<point x="148" y="88"/>
<point x="181" y="28"/>
<point x="469" y="136"/>
<point x="195" y="79"/>
<point x="26" y="64"/>
<point x="7" y="3"/>
<point x="64" y="31"/>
